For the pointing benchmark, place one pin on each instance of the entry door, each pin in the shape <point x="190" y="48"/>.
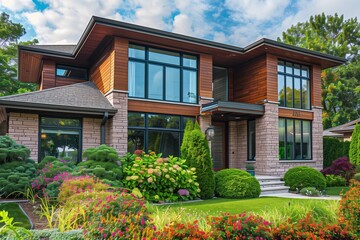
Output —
<point x="218" y="146"/>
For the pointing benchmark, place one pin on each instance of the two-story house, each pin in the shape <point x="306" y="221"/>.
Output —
<point x="134" y="87"/>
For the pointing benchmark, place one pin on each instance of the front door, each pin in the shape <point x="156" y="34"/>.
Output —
<point x="218" y="146"/>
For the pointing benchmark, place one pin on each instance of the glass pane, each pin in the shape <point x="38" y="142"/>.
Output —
<point x="305" y="94"/>
<point x="305" y="71"/>
<point x="251" y="140"/>
<point x="185" y="120"/>
<point x="164" y="56"/>
<point x="289" y="68"/>
<point x="189" y="61"/>
<point x="71" y="72"/>
<point x="60" y="143"/>
<point x="136" y="119"/>
<point x="163" y="121"/>
<point x="136" y="81"/>
<point x="156" y="81"/>
<point x="289" y="92"/>
<point x="306" y="146"/>
<point x="297" y="90"/>
<point x="166" y="143"/>
<point x="136" y="51"/>
<point x="135" y="140"/>
<point x="189" y="86"/>
<point x="172" y="84"/>
<point x="281" y="66"/>
<point x="297" y="69"/>
<point x="298" y="139"/>
<point x="281" y="90"/>
<point x="290" y="139"/>
<point x="63" y="122"/>
<point x="281" y="138"/>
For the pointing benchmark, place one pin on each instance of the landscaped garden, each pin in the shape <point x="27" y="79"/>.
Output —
<point x="143" y="195"/>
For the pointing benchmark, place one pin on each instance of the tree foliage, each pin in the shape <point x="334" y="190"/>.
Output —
<point x="10" y="33"/>
<point x="340" y="86"/>
<point x="354" y="152"/>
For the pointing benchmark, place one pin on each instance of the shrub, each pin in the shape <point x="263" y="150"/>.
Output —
<point x="102" y="153"/>
<point x="159" y="179"/>
<point x="184" y="231"/>
<point x="310" y="191"/>
<point x="220" y="176"/>
<point x="357" y="177"/>
<point x="45" y="161"/>
<point x="354" y="151"/>
<point x="103" y="170"/>
<point x="350" y="206"/>
<point x="335" y="180"/>
<point x="299" y="177"/>
<point x="236" y="186"/>
<point x="341" y="167"/>
<point x="11" y="151"/>
<point x="334" y="148"/>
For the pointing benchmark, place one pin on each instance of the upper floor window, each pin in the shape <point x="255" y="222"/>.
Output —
<point x="71" y="72"/>
<point x="162" y="75"/>
<point x="293" y="85"/>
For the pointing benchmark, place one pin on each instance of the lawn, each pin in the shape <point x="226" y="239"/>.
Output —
<point x="335" y="191"/>
<point x="16" y="213"/>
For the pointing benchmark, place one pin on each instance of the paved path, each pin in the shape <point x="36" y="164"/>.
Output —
<point x="293" y="195"/>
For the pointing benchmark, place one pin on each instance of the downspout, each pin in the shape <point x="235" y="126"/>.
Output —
<point x="102" y="127"/>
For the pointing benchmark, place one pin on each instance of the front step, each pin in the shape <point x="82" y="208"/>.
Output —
<point x="271" y="185"/>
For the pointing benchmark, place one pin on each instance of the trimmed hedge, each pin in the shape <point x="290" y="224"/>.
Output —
<point x="300" y="177"/>
<point x="236" y="186"/>
<point x="222" y="174"/>
<point x="333" y="149"/>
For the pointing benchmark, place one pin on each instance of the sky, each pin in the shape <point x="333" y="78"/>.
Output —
<point x="235" y="22"/>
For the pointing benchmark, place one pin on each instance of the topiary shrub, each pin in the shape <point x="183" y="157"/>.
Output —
<point x="11" y="151"/>
<point x="102" y="153"/>
<point x="236" y="186"/>
<point x="335" y="181"/>
<point x="222" y="174"/>
<point x="46" y="160"/>
<point x="354" y="151"/>
<point x="108" y="171"/>
<point x="341" y="167"/>
<point x="300" y="177"/>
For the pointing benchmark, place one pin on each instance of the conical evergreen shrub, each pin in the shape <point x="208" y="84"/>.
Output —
<point x="354" y="151"/>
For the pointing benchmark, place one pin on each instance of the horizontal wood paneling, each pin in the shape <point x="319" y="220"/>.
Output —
<point x="165" y="108"/>
<point x="295" y="113"/>
<point x="205" y="76"/>
<point x="120" y="68"/>
<point x="250" y="81"/>
<point x="60" y="81"/>
<point x="102" y="71"/>
<point x="316" y="86"/>
<point x="271" y="77"/>
<point x="230" y="84"/>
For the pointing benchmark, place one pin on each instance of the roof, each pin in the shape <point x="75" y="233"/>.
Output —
<point x="68" y="49"/>
<point x="347" y="127"/>
<point x="82" y="98"/>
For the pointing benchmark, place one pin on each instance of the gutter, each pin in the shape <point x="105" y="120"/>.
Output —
<point x="102" y="127"/>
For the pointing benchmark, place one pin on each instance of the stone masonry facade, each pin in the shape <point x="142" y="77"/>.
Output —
<point x="91" y="133"/>
<point x="24" y="129"/>
<point x="237" y="140"/>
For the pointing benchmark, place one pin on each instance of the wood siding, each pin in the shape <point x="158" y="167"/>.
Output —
<point x="165" y="108"/>
<point x="250" y="84"/>
<point x="315" y="85"/>
<point x="205" y="76"/>
<point x="296" y="113"/>
<point x="120" y="68"/>
<point x="271" y="76"/>
<point x="102" y="72"/>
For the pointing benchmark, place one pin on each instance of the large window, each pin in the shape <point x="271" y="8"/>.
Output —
<point x="162" y="75"/>
<point x="293" y="85"/>
<point x="71" y="72"/>
<point x="60" y="137"/>
<point x="294" y="139"/>
<point x="156" y="132"/>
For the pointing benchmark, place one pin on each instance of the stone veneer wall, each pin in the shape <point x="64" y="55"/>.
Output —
<point x="237" y="144"/>
<point x="24" y="129"/>
<point x="91" y="133"/>
<point x="117" y="126"/>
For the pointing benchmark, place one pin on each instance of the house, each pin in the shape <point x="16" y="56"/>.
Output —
<point x="342" y="132"/>
<point x="134" y="87"/>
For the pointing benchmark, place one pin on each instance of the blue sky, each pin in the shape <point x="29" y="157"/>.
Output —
<point x="236" y="22"/>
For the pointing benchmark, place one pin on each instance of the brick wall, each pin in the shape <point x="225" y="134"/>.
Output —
<point x="117" y="126"/>
<point x="24" y="129"/>
<point x="91" y="133"/>
<point x="237" y="144"/>
<point x="317" y="138"/>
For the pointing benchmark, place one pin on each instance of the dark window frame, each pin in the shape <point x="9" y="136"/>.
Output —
<point x="251" y="158"/>
<point x="86" y="78"/>
<point x="80" y="128"/>
<point x="181" y="67"/>
<point x="294" y="140"/>
<point x="292" y="75"/>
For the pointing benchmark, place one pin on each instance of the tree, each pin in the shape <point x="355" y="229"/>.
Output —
<point x="354" y="152"/>
<point x="10" y="33"/>
<point x="340" y="86"/>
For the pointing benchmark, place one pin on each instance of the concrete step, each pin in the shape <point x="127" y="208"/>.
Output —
<point x="274" y="190"/>
<point x="262" y="178"/>
<point x="272" y="184"/>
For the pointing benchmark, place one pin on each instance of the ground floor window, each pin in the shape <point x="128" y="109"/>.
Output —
<point x="157" y="132"/>
<point x="60" y="137"/>
<point x="295" y="142"/>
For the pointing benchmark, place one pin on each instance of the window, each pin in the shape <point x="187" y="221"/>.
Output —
<point x="60" y="137"/>
<point x="156" y="132"/>
<point x="251" y="140"/>
<point x="293" y="85"/>
<point x="162" y="75"/>
<point x="71" y="72"/>
<point x="294" y="139"/>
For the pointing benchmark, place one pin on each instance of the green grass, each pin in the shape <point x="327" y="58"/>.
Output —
<point x="16" y="213"/>
<point x="335" y="191"/>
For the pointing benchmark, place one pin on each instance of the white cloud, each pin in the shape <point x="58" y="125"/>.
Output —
<point x="16" y="5"/>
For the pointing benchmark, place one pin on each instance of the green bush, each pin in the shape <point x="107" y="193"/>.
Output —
<point x="354" y="152"/>
<point x="103" y="170"/>
<point x="335" y="180"/>
<point x="195" y="149"/>
<point x="11" y="151"/>
<point x="45" y="161"/>
<point x="310" y="191"/>
<point x="300" y="177"/>
<point x="237" y="186"/>
<point x="333" y="149"/>
<point x="357" y="177"/>
<point x="102" y="153"/>
<point x="222" y="174"/>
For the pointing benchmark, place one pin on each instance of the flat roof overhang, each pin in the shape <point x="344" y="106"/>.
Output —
<point x="230" y="111"/>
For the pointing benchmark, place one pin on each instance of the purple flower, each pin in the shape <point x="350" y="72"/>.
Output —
<point x="183" y="192"/>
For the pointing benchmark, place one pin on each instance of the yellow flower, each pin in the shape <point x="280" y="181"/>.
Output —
<point x="165" y="170"/>
<point x="134" y="177"/>
<point x="167" y="176"/>
<point x="190" y="180"/>
<point x="196" y="184"/>
<point x="193" y="169"/>
<point x="198" y="190"/>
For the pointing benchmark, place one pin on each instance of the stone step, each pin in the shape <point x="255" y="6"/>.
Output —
<point x="272" y="184"/>
<point x="261" y="178"/>
<point x="274" y="190"/>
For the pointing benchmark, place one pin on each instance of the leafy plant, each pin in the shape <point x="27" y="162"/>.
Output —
<point x="250" y="167"/>
<point x="236" y="186"/>
<point x="354" y="152"/>
<point x="357" y="177"/>
<point x="333" y="148"/>
<point x="9" y="229"/>
<point x="350" y="206"/>
<point x="102" y="153"/>
<point x="300" y="177"/>
<point x="310" y="191"/>
<point x="180" y="231"/>
<point x="341" y="167"/>
<point x="222" y="174"/>
<point x="335" y="181"/>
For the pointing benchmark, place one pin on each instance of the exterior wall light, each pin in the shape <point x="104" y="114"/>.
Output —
<point x="210" y="133"/>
